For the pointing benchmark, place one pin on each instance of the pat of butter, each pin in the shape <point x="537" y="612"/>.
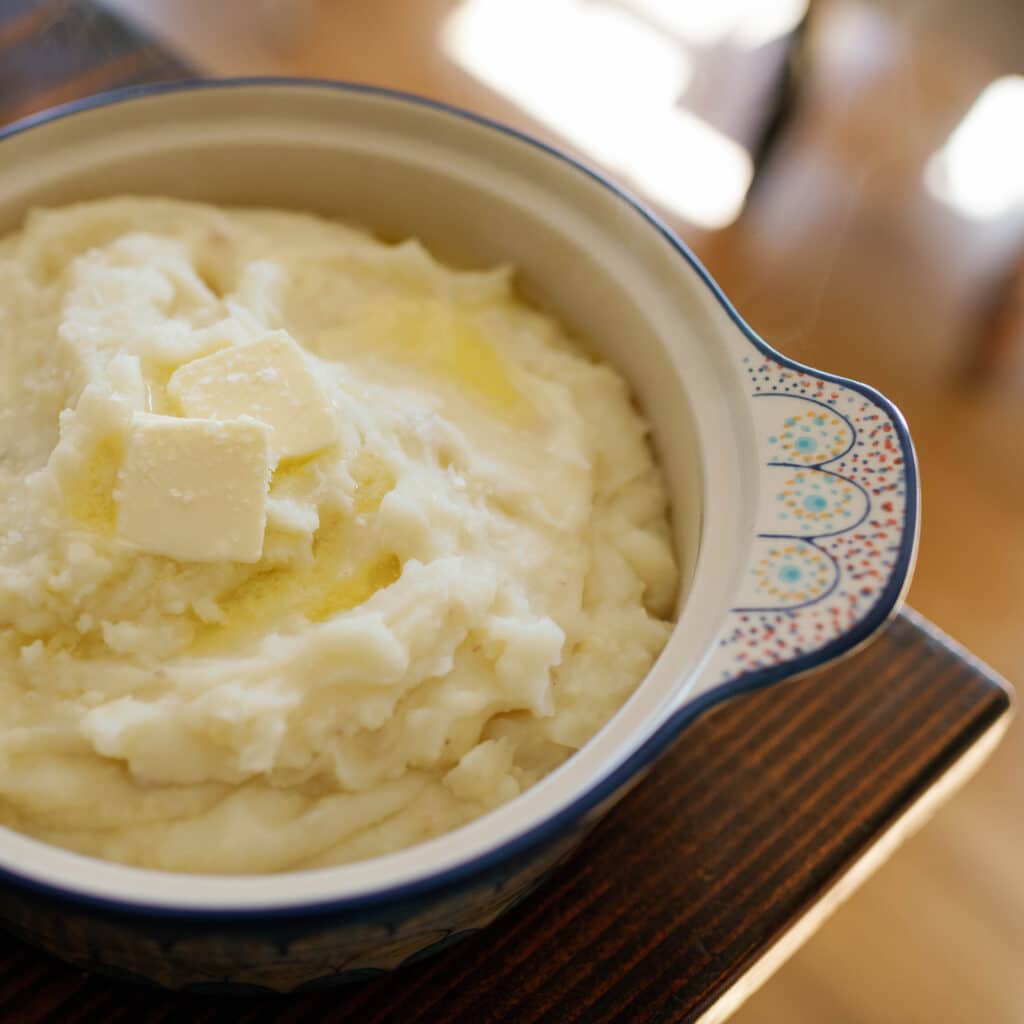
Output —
<point x="194" y="489"/>
<point x="268" y="380"/>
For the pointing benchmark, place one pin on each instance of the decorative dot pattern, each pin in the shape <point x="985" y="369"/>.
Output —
<point x="852" y="515"/>
<point x="810" y="437"/>
<point x="790" y="572"/>
<point x="809" y="502"/>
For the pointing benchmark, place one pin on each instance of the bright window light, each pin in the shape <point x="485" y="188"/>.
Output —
<point x="610" y="84"/>
<point x="979" y="172"/>
<point x="763" y="21"/>
<point x="749" y="23"/>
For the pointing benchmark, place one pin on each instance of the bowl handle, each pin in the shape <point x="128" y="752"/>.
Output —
<point x="836" y="525"/>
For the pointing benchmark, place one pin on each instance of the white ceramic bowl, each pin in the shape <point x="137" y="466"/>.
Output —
<point x="794" y="495"/>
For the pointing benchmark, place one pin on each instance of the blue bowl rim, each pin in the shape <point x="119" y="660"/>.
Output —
<point x="441" y="882"/>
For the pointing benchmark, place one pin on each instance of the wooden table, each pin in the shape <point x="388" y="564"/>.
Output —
<point x="750" y="831"/>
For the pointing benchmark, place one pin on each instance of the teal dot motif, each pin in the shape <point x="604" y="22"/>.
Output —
<point x="791" y="572"/>
<point x="811" y="436"/>
<point x="813" y="502"/>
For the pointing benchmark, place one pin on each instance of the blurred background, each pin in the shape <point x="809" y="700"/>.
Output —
<point x="852" y="173"/>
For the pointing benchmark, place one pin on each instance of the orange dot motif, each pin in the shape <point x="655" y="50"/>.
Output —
<point x="811" y="437"/>
<point x="792" y="574"/>
<point x="813" y="501"/>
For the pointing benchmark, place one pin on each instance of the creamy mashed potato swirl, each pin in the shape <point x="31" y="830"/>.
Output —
<point x="311" y="548"/>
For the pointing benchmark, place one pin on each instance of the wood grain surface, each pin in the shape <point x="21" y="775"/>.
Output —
<point x="747" y="823"/>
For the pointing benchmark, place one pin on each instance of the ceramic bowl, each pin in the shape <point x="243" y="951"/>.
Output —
<point x="794" y="498"/>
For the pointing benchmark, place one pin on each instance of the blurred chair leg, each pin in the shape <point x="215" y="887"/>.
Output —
<point x="783" y="104"/>
<point x="1001" y="326"/>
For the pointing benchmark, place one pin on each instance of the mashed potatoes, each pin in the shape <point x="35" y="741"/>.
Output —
<point x="310" y="547"/>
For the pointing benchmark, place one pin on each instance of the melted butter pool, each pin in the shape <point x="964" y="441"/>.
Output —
<point x="89" y="488"/>
<point x="320" y="590"/>
<point x="448" y="344"/>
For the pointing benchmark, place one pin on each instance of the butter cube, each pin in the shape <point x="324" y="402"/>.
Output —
<point x="194" y="489"/>
<point x="268" y="380"/>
